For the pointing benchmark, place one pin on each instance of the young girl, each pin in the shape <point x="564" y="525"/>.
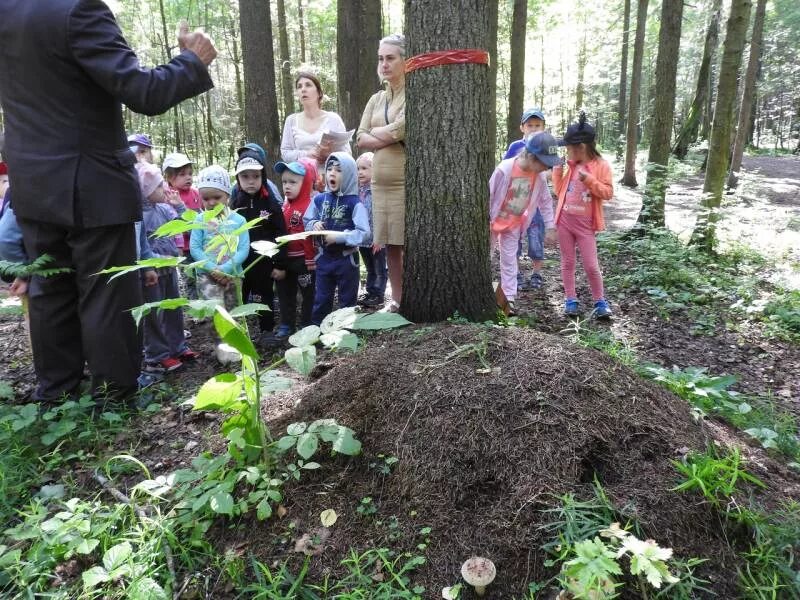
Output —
<point x="516" y="190"/>
<point x="581" y="188"/>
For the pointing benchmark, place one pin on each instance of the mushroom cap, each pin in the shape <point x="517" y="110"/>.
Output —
<point x="478" y="571"/>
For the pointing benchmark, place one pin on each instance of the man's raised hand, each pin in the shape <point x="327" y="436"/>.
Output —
<point x="198" y="42"/>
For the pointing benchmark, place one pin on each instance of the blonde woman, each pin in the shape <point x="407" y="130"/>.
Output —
<point x="383" y="131"/>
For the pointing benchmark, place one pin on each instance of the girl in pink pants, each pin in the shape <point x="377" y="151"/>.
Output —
<point x="581" y="188"/>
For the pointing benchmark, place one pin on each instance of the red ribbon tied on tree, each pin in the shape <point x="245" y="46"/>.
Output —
<point x="447" y="57"/>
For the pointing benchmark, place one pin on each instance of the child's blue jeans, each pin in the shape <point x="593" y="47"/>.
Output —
<point x="377" y="273"/>
<point x="334" y="271"/>
<point x="535" y="238"/>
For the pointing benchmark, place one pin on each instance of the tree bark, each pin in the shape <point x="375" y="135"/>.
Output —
<point x="357" y="38"/>
<point x="623" y="77"/>
<point x="301" y="19"/>
<point x="447" y="225"/>
<point x="260" y="102"/>
<point x="690" y="128"/>
<point x="493" y="14"/>
<point x="167" y="56"/>
<point x="669" y="37"/>
<point x="579" y="88"/>
<point x="719" y="146"/>
<point x="632" y="134"/>
<point x="516" y="92"/>
<point x="748" y="93"/>
<point x="287" y="88"/>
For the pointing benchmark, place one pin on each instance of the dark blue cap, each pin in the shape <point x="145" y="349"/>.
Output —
<point x="532" y="113"/>
<point x="544" y="147"/>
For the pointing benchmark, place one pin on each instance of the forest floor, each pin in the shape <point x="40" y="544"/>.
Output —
<point x="654" y="322"/>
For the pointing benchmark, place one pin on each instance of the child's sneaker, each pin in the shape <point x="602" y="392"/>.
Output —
<point x="373" y="301"/>
<point x="511" y="308"/>
<point x="522" y="285"/>
<point x="571" y="307"/>
<point x="188" y="355"/>
<point x="283" y="333"/>
<point x="536" y="281"/>
<point x="602" y="310"/>
<point x="390" y="307"/>
<point x="170" y="364"/>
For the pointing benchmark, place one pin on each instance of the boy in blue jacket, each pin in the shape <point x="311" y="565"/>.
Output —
<point x="337" y="209"/>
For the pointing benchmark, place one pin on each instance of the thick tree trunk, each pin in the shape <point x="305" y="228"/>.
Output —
<point x="260" y="102"/>
<point x="748" y="93"/>
<point x="287" y="88"/>
<point x="690" y="128"/>
<point x="720" y="143"/>
<point x="623" y="77"/>
<point x="516" y="92"/>
<point x="669" y="38"/>
<point x="447" y="225"/>
<point x="632" y="134"/>
<point x="357" y="38"/>
<point x="493" y="14"/>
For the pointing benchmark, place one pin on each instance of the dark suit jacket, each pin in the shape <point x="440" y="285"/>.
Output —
<point x="65" y="69"/>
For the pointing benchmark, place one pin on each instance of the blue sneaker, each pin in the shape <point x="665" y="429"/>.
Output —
<point x="522" y="284"/>
<point x="571" y="307"/>
<point x="536" y="281"/>
<point x="602" y="310"/>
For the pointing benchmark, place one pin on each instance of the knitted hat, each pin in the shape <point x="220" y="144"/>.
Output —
<point x="149" y="178"/>
<point x="214" y="177"/>
<point x="580" y="132"/>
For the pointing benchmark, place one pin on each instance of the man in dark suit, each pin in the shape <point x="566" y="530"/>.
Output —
<point x="65" y="70"/>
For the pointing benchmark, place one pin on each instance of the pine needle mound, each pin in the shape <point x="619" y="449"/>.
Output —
<point x="490" y="425"/>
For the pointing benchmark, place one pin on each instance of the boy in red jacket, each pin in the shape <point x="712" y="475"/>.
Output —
<point x="297" y="180"/>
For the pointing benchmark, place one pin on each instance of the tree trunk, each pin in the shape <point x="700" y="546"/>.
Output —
<point x="357" y="38"/>
<point x="720" y="143"/>
<point x="260" y="102"/>
<point x="748" y="94"/>
<point x="669" y="37"/>
<point x="632" y="134"/>
<point x="579" y="88"/>
<point x="688" y="133"/>
<point x="541" y="81"/>
<point x="301" y="20"/>
<point x="623" y="77"/>
<point x="238" y="74"/>
<point x="167" y="56"/>
<point x="447" y="226"/>
<point x="287" y="88"/>
<point x="516" y="92"/>
<point x="493" y="14"/>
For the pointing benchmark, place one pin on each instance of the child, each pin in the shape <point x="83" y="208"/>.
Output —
<point x="164" y="340"/>
<point x="374" y="257"/>
<point x="221" y="263"/>
<point x="178" y="171"/>
<point x="337" y="209"/>
<point x="253" y="200"/>
<point x="581" y="189"/>
<point x="298" y="179"/>
<point x="253" y="150"/>
<point x="515" y="190"/>
<point x="532" y="122"/>
<point x="142" y="147"/>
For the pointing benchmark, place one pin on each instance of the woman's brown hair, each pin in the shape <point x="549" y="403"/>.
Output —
<point x="313" y="79"/>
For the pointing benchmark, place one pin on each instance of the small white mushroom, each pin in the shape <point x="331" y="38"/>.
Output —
<point x="478" y="572"/>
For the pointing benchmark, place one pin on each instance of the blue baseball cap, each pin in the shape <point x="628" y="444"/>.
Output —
<point x="294" y="166"/>
<point x="544" y="147"/>
<point x="532" y="113"/>
<point x="140" y="139"/>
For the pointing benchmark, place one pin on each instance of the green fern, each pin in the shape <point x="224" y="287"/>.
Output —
<point x="37" y="267"/>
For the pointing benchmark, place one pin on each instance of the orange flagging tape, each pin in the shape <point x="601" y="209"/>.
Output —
<point x="447" y="57"/>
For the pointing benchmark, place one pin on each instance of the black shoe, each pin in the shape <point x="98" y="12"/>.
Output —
<point x="373" y="301"/>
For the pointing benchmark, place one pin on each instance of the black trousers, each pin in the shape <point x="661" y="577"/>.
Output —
<point x="80" y="317"/>
<point x="298" y="277"/>
<point x="257" y="287"/>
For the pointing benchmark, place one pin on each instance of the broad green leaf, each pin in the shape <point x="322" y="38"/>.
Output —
<point x="147" y="263"/>
<point x="189" y="215"/>
<point x="48" y="492"/>
<point x="286" y="442"/>
<point x="328" y="429"/>
<point x="202" y="309"/>
<point x="219" y="393"/>
<point x="222" y="503"/>
<point x="378" y="320"/>
<point x="345" y="443"/>
<point x="339" y="319"/>
<point x="310" y="466"/>
<point x="7" y="392"/>
<point x="87" y="546"/>
<point x="302" y="359"/>
<point x="245" y="310"/>
<point x="265" y="247"/>
<point x="272" y="381"/>
<point x="208" y="215"/>
<point x="145" y="588"/>
<point x="340" y="340"/>
<point x="94" y="576"/>
<point x="307" y="336"/>
<point x="175" y="227"/>
<point x="328" y="517"/>
<point x="139" y="312"/>
<point x="116" y="556"/>
<point x="307" y="445"/>
<point x="232" y="334"/>
<point x="296" y="428"/>
<point x="235" y="436"/>
<point x="263" y="510"/>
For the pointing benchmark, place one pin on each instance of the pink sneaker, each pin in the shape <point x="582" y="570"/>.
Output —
<point x="171" y="364"/>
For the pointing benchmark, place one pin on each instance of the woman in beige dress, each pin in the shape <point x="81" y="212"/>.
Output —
<point x="383" y="131"/>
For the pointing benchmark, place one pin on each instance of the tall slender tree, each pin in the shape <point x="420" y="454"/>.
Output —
<point x="301" y="21"/>
<point x="669" y="38"/>
<point x="623" y="76"/>
<point x="447" y="229"/>
<point x="691" y="126"/>
<point x="516" y="92"/>
<point x="260" y="102"/>
<point x="748" y="93"/>
<point x="632" y="131"/>
<point x="357" y="35"/>
<point x="287" y="89"/>
<point x="719" y="146"/>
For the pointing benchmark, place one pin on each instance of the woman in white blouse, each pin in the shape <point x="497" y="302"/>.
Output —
<point x="302" y="132"/>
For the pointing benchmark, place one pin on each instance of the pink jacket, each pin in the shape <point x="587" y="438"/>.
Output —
<point x="540" y="196"/>
<point x="599" y="182"/>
